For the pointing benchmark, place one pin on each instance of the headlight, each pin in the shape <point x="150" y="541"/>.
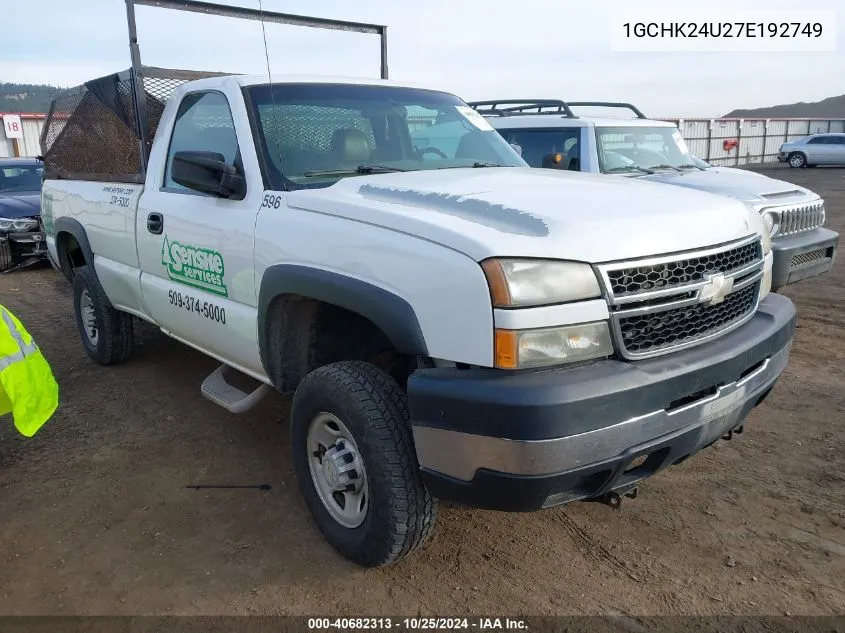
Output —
<point x="520" y="349"/>
<point x="20" y="224"/>
<point x="517" y="283"/>
<point x="771" y="219"/>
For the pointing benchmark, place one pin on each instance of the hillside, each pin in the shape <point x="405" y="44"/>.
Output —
<point x="25" y="97"/>
<point x="830" y="108"/>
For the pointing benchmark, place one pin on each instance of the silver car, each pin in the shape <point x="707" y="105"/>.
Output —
<point x="816" y="149"/>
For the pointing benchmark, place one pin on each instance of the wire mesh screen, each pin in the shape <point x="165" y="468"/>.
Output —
<point x="159" y="91"/>
<point x="91" y="131"/>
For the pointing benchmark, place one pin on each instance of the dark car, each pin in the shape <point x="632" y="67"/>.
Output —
<point x="21" y="229"/>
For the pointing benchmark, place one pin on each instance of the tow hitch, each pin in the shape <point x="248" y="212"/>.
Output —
<point x="730" y="434"/>
<point x="614" y="499"/>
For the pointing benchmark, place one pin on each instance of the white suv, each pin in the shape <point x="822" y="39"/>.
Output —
<point x="549" y="134"/>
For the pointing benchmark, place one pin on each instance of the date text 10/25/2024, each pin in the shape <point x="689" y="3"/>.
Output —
<point x="422" y="623"/>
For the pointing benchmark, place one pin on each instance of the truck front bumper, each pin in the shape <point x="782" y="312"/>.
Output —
<point x="798" y="257"/>
<point x="525" y="441"/>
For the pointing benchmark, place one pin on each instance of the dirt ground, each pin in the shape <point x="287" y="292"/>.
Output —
<point x="96" y="516"/>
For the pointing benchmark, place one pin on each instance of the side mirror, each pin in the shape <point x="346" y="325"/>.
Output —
<point x="207" y="172"/>
<point x="517" y="148"/>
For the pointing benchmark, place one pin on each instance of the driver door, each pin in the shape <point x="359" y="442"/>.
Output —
<point x="196" y="249"/>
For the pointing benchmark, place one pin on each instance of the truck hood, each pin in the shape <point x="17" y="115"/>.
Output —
<point x="526" y="212"/>
<point x="20" y="204"/>
<point x="750" y="187"/>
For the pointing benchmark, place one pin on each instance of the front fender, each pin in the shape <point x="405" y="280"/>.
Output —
<point x="390" y="313"/>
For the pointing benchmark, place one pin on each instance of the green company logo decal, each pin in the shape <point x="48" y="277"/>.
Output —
<point x="47" y="213"/>
<point x="194" y="266"/>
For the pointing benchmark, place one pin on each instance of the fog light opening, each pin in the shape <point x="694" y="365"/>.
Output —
<point x="636" y="463"/>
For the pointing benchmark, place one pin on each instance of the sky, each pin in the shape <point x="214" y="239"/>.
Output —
<point x="478" y="50"/>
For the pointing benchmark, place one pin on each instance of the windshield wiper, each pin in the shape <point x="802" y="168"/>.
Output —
<point x="664" y="166"/>
<point x="690" y="166"/>
<point x="360" y="169"/>
<point x="476" y="164"/>
<point x="624" y="168"/>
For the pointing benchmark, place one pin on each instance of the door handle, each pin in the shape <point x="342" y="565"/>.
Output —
<point x="155" y="223"/>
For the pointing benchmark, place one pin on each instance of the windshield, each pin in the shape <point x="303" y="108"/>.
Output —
<point x="642" y="149"/>
<point x="20" y="178"/>
<point x="314" y="134"/>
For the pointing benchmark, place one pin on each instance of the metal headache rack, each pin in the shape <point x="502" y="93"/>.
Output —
<point x="527" y="106"/>
<point x="103" y="130"/>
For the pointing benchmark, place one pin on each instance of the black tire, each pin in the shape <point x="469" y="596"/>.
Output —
<point x="114" y="330"/>
<point x="401" y="513"/>
<point x="797" y="160"/>
<point x="6" y="257"/>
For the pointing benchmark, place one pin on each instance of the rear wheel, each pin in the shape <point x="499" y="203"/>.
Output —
<point x="797" y="160"/>
<point x="106" y="333"/>
<point x="356" y="464"/>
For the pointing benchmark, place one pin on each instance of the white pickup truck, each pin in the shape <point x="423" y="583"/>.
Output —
<point x="451" y="323"/>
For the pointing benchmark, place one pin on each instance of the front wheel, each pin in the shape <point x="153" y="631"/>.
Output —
<point x="355" y="461"/>
<point x="106" y="333"/>
<point x="797" y="160"/>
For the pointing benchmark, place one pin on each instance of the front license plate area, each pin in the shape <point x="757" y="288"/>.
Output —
<point x="723" y="405"/>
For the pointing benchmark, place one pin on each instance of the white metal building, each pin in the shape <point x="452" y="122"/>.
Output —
<point x="29" y="145"/>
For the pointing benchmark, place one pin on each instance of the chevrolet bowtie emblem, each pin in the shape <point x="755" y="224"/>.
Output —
<point x="715" y="289"/>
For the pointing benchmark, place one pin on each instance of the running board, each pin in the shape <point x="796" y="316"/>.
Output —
<point x="220" y="392"/>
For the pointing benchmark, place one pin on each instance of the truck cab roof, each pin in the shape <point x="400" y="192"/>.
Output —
<point x="281" y="79"/>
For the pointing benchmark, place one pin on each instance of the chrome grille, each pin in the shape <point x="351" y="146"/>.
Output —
<point x="800" y="218"/>
<point x="652" y="332"/>
<point x="654" y="276"/>
<point x="662" y="304"/>
<point x="809" y="257"/>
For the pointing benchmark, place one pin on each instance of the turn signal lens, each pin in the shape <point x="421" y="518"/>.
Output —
<point x="766" y="282"/>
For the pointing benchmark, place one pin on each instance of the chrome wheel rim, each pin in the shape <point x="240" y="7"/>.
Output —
<point x="89" y="319"/>
<point x="796" y="161"/>
<point x="337" y="470"/>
